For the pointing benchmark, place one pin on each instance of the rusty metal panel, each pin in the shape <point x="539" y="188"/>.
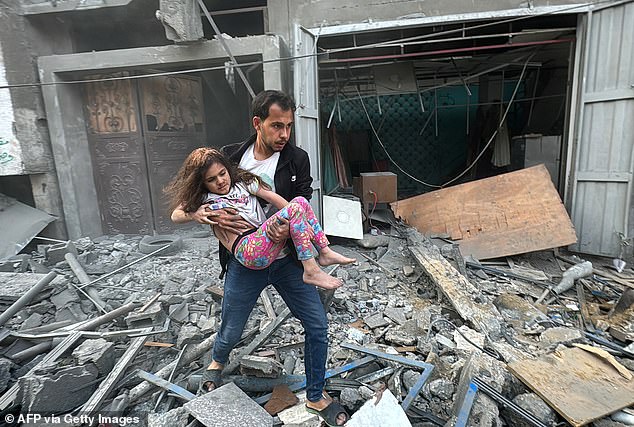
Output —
<point x="110" y="106"/>
<point x="172" y="104"/>
<point x="602" y="185"/>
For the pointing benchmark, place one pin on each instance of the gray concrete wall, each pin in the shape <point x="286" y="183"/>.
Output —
<point x="315" y="13"/>
<point x="23" y="40"/>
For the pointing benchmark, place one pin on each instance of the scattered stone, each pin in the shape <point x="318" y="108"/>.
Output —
<point x="559" y="335"/>
<point x="98" y="352"/>
<point x="351" y="398"/>
<point x="188" y="334"/>
<point x="371" y="242"/>
<point x="533" y="404"/>
<point x="408" y="270"/>
<point x="33" y="321"/>
<point x="262" y="367"/>
<point x="5" y="372"/>
<point x="151" y="316"/>
<point x="405" y="335"/>
<point x="396" y="314"/>
<point x="57" y="391"/>
<point x="176" y="417"/>
<point x="441" y="388"/>
<point x="375" y="321"/>
<point x="228" y="406"/>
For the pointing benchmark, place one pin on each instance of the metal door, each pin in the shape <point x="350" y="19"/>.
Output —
<point x="138" y="142"/>
<point x="306" y="94"/>
<point x="604" y="158"/>
<point x="119" y="164"/>
<point x="173" y="125"/>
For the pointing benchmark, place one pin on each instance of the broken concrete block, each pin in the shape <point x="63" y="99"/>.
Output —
<point x="262" y="367"/>
<point x="58" y="390"/>
<point x="98" y="352"/>
<point x="517" y="311"/>
<point x="281" y="398"/>
<point x="176" y="417"/>
<point x="371" y="242"/>
<point x="179" y="312"/>
<point x="206" y="326"/>
<point x="188" y="334"/>
<point x="408" y="270"/>
<point x="380" y="411"/>
<point x="350" y="398"/>
<point x="559" y="335"/>
<point x="55" y="253"/>
<point x="396" y="314"/>
<point x="406" y="334"/>
<point x="65" y="297"/>
<point x="441" y="388"/>
<point x="72" y="312"/>
<point x="376" y="321"/>
<point x="533" y="404"/>
<point x="151" y="316"/>
<point x="228" y="406"/>
<point x="5" y="372"/>
<point x="33" y="321"/>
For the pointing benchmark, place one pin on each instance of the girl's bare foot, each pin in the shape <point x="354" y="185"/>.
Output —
<point x="317" y="277"/>
<point x="329" y="257"/>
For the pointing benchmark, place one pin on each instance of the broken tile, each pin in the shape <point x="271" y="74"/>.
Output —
<point x="282" y="397"/>
<point x="228" y="406"/>
<point x="380" y="411"/>
<point x="98" y="352"/>
<point x="375" y="321"/>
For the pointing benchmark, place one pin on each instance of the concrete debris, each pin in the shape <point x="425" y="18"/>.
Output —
<point x="381" y="411"/>
<point x="228" y="406"/>
<point x="406" y="298"/>
<point x="262" y="367"/>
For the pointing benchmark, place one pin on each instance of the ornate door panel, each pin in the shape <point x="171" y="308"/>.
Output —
<point x="173" y="124"/>
<point x="119" y="162"/>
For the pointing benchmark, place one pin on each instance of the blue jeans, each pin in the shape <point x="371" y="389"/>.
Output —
<point x="241" y="291"/>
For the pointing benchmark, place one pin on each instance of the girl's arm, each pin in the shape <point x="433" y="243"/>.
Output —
<point x="271" y="197"/>
<point x="201" y="215"/>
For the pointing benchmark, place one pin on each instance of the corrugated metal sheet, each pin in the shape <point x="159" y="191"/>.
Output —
<point x="305" y="81"/>
<point x="602" y="185"/>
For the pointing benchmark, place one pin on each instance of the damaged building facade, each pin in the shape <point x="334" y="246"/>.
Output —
<point x="415" y="88"/>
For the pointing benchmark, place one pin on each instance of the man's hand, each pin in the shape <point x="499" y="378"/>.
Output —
<point x="229" y="219"/>
<point x="278" y="231"/>
<point x="201" y="215"/>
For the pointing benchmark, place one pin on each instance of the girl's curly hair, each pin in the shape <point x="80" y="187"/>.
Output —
<point x="187" y="189"/>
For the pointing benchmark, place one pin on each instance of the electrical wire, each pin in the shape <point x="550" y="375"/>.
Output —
<point x="314" y="54"/>
<point x="510" y="102"/>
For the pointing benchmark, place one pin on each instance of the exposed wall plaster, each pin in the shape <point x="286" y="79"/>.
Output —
<point x="10" y="149"/>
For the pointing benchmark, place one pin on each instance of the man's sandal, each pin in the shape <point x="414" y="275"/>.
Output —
<point x="213" y="376"/>
<point x="330" y="413"/>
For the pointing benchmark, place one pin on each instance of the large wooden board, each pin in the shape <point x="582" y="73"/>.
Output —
<point x="579" y="385"/>
<point x="508" y="214"/>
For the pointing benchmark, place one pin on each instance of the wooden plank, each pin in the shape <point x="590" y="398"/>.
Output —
<point x="579" y="385"/>
<point x="456" y="287"/>
<point x="504" y="215"/>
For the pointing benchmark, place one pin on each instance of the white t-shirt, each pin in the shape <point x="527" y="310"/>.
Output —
<point x="242" y="198"/>
<point x="264" y="169"/>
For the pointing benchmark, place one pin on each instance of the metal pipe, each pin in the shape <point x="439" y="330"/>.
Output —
<point x="32" y="351"/>
<point x="27" y="297"/>
<point x="226" y="48"/>
<point x="91" y="293"/>
<point x="448" y="51"/>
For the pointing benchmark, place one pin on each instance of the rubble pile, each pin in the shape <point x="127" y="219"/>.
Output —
<point x="118" y="329"/>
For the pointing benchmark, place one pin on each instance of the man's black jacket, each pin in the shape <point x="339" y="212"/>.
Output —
<point x="292" y="175"/>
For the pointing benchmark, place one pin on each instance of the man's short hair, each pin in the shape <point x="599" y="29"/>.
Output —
<point x="263" y="101"/>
